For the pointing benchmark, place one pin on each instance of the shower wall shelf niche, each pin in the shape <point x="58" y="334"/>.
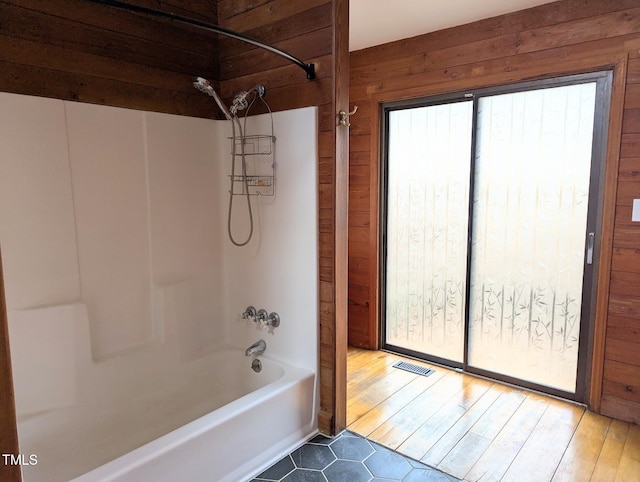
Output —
<point x="261" y="168"/>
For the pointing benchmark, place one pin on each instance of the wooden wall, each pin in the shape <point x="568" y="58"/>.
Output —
<point x="564" y="37"/>
<point x="314" y="31"/>
<point x="78" y="50"/>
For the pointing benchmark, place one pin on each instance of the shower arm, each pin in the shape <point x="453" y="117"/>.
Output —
<point x="310" y="69"/>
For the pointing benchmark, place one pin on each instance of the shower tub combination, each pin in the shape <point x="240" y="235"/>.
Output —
<point x="260" y="416"/>
<point x="229" y="428"/>
<point x="163" y="403"/>
<point x="141" y="409"/>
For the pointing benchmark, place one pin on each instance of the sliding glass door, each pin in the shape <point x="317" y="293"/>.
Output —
<point x="491" y="214"/>
<point x="531" y="196"/>
<point x="427" y="224"/>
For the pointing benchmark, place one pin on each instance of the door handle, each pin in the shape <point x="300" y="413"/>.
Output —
<point x="590" y="241"/>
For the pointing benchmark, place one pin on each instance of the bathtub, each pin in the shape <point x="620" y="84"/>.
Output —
<point x="230" y="425"/>
<point x="270" y="412"/>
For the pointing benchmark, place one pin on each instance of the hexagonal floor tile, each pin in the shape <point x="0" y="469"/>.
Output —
<point x="343" y="470"/>
<point x="278" y="470"/>
<point x="351" y="448"/>
<point x="311" y="456"/>
<point x="349" y="457"/>
<point x="304" y="475"/>
<point x="388" y="465"/>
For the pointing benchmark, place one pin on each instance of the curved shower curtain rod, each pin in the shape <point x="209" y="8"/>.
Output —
<point x="310" y="69"/>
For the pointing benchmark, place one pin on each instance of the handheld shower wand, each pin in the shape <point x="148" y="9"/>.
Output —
<point x="203" y="85"/>
<point x="241" y="101"/>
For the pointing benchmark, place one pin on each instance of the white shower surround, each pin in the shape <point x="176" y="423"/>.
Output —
<point x="275" y="270"/>
<point x="74" y="178"/>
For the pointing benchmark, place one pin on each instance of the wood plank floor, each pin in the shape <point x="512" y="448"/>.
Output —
<point x="479" y="430"/>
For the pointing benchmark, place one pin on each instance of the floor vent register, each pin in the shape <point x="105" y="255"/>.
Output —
<point x="410" y="367"/>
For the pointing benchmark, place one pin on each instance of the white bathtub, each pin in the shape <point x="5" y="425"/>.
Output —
<point x="224" y="422"/>
<point x="271" y="412"/>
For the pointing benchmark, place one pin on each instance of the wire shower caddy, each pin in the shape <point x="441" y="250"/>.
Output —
<point x="259" y="153"/>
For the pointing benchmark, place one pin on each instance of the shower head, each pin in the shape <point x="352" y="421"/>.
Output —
<point x="241" y="100"/>
<point x="203" y="85"/>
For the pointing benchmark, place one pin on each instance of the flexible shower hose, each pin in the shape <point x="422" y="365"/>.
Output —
<point x="244" y="179"/>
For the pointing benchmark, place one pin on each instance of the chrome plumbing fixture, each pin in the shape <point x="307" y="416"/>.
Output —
<point x="242" y="101"/>
<point x="204" y="86"/>
<point x="249" y="313"/>
<point x="256" y="365"/>
<point x="273" y="319"/>
<point x="261" y="316"/>
<point x="270" y="319"/>
<point x="256" y="349"/>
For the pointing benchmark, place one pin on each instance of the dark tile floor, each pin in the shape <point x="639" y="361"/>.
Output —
<point x="348" y="457"/>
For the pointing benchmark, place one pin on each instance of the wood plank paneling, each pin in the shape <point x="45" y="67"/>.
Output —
<point x="621" y="372"/>
<point x="621" y="391"/>
<point x="580" y="31"/>
<point x="202" y="9"/>
<point x="265" y="15"/>
<point x="625" y="351"/>
<point x="621" y="408"/>
<point x="621" y="328"/>
<point x="563" y="60"/>
<point x="314" y="44"/>
<point x="631" y="121"/>
<point x="77" y="50"/>
<point x="633" y="73"/>
<point x="89" y="64"/>
<point x="628" y="191"/>
<point x="624" y="283"/>
<point x="565" y="37"/>
<point x="626" y="259"/>
<point x="625" y="305"/>
<point x="630" y="166"/>
<point x="292" y="21"/>
<point x="85" y="26"/>
<point x="24" y="79"/>
<point x="626" y="236"/>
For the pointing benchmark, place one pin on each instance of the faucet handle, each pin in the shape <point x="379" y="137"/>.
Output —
<point x="262" y="316"/>
<point x="249" y="313"/>
<point x="273" y="319"/>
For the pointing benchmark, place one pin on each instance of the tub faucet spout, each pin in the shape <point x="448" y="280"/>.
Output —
<point x="256" y="349"/>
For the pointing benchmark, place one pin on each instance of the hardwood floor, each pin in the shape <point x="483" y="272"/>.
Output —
<point x="479" y="430"/>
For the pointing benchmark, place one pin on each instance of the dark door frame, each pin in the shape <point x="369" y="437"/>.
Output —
<point x="603" y="81"/>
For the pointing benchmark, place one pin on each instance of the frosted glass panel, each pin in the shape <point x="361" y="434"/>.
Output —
<point x="529" y="228"/>
<point x="427" y="218"/>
